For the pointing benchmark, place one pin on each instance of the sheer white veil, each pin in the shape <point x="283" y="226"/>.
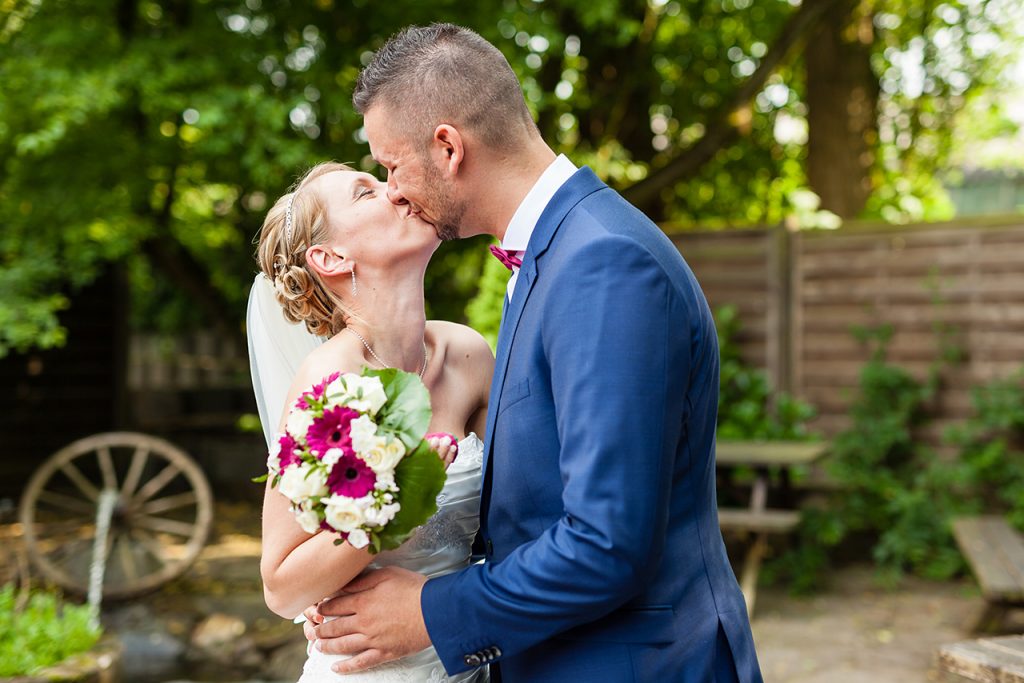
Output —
<point x="276" y="349"/>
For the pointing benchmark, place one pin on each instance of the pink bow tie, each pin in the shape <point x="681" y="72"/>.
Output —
<point x="509" y="259"/>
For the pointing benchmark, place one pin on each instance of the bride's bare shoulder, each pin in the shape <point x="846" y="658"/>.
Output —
<point x="460" y="342"/>
<point x="340" y="353"/>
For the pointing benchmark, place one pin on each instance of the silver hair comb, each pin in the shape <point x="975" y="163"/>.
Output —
<point x="288" y="219"/>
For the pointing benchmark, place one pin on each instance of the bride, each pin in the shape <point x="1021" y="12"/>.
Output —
<point x="338" y="256"/>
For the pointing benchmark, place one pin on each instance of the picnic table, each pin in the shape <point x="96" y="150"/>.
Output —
<point x="995" y="552"/>
<point x="999" y="660"/>
<point x="757" y="519"/>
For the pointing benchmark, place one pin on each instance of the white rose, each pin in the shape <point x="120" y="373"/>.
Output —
<point x="308" y="520"/>
<point x="385" y="455"/>
<point x="396" y="450"/>
<point x="298" y="487"/>
<point x="338" y="386"/>
<point x="298" y="423"/>
<point x="357" y="538"/>
<point x="373" y="393"/>
<point x="365" y="394"/>
<point x="363" y="431"/>
<point x="343" y="514"/>
<point x="374" y="454"/>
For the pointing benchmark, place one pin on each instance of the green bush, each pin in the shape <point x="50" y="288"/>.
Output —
<point x="45" y="632"/>
<point x="746" y="410"/>
<point x="991" y="446"/>
<point x="894" y="491"/>
<point x="890" y="487"/>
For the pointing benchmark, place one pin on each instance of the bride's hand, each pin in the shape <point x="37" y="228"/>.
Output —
<point x="445" y="445"/>
<point x="313" y="617"/>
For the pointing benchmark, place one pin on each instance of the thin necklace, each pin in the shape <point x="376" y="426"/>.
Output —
<point x="377" y="358"/>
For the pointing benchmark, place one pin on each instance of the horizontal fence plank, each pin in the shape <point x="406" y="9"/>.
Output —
<point x="956" y="283"/>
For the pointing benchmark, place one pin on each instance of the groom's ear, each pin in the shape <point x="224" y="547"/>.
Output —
<point x="448" y="142"/>
<point x="327" y="261"/>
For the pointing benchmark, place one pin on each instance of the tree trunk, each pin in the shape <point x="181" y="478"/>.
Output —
<point x="720" y="132"/>
<point x="842" y="95"/>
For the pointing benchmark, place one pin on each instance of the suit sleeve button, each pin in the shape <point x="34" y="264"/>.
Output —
<point x="472" y="660"/>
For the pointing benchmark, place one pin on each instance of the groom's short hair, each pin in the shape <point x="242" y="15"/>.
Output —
<point x="443" y="73"/>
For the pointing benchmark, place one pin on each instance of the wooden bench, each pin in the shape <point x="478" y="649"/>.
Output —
<point x="998" y="660"/>
<point x="995" y="552"/>
<point x="757" y="518"/>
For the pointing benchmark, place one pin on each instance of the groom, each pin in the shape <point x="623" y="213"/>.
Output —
<point x="604" y="557"/>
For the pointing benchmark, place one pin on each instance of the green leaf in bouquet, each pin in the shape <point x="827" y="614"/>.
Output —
<point x="407" y="411"/>
<point x="420" y="476"/>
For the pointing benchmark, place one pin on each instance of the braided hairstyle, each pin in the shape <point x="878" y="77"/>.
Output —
<point x="301" y="292"/>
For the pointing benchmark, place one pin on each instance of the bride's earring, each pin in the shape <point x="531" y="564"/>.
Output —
<point x="353" y="280"/>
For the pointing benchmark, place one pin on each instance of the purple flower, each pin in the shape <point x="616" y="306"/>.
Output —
<point x="333" y="430"/>
<point x="351" y="477"/>
<point x="287" y="455"/>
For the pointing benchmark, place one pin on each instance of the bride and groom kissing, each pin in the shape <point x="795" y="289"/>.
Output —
<point x="592" y="492"/>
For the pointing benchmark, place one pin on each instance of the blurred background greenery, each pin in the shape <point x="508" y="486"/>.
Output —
<point x="154" y="134"/>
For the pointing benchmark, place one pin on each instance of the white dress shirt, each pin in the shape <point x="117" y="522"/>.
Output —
<point x="524" y="220"/>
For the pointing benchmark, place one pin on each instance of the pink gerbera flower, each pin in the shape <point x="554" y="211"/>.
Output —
<point x="351" y="477"/>
<point x="287" y="455"/>
<point x="316" y="392"/>
<point x="333" y="430"/>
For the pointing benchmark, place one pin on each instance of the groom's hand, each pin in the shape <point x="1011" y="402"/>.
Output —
<point x="378" y="620"/>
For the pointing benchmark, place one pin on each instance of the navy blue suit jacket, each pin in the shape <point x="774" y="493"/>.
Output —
<point x="604" y="556"/>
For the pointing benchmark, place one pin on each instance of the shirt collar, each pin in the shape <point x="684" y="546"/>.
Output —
<point x="524" y="220"/>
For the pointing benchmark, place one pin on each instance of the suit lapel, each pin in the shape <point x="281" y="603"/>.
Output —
<point x="580" y="185"/>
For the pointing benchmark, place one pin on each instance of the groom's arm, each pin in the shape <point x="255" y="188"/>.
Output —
<point x="614" y="348"/>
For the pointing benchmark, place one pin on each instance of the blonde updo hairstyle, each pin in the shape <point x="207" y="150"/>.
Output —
<point x="300" y="290"/>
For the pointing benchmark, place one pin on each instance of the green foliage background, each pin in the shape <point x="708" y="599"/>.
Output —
<point x="154" y="134"/>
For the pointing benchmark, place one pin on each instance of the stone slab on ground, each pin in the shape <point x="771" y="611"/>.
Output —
<point x="856" y="631"/>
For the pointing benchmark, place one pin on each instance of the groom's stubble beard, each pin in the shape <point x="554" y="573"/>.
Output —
<point x="448" y="211"/>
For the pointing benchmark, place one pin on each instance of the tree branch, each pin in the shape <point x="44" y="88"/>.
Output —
<point x="168" y="256"/>
<point x="171" y="259"/>
<point x="720" y="130"/>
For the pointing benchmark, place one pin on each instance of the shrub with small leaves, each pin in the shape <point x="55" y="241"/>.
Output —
<point x="46" y="631"/>
<point x="746" y="410"/>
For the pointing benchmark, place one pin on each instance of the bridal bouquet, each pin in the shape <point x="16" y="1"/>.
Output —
<point x="352" y="458"/>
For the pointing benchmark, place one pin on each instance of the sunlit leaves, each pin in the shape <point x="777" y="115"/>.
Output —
<point x="185" y="120"/>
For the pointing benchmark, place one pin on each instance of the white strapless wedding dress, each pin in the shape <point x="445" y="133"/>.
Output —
<point x="440" y="546"/>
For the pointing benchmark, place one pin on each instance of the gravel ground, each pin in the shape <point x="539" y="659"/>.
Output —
<point x="852" y="632"/>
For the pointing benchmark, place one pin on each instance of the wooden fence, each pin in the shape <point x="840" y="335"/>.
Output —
<point x="187" y="382"/>
<point x="200" y="360"/>
<point x="799" y="294"/>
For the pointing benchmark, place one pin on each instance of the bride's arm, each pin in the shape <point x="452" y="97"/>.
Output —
<point x="300" y="569"/>
<point x="480" y="369"/>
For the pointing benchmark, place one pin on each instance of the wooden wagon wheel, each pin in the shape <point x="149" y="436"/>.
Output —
<point x="159" y="524"/>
